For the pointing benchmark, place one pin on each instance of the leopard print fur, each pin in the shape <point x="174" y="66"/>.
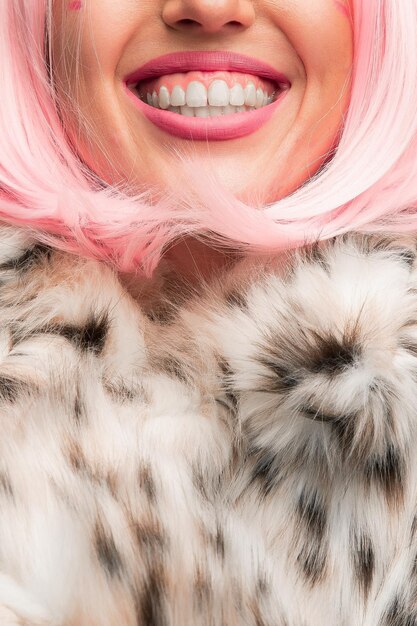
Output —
<point x="241" y="456"/>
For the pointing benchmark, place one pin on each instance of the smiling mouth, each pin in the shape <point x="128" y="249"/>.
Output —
<point x="208" y="94"/>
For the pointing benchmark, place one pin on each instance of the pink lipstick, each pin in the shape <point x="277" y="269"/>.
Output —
<point x="221" y="127"/>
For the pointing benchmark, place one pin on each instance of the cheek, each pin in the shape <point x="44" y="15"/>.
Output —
<point x="83" y="25"/>
<point x="321" y="34"/>
<point x="344" y="7"/>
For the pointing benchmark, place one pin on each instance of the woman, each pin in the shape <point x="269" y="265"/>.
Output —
<point x="208" y="313"/>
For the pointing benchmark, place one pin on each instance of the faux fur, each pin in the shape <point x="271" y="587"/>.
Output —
<point x="244" y="454"/>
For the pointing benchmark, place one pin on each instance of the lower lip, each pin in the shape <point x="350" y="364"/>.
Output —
<point x="205" y="128"/>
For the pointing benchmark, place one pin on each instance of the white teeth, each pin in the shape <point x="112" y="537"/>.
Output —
<point x="164" y="100"/>
<point x="196" y="94"/>
<point x="215" y="111"/>
<point x="237" y="97"/>
<point x="178" y="96"/>
<point x="218" y="100"/>
<point x="187" y="111"/>
<point x="202" y="112"/>
<point x="218" y="93"/>
<point x="250" y="95"/>
<point x="259" y="98"/>
<point x="209" y="111"/>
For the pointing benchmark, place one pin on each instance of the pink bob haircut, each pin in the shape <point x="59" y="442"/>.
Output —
<point x="368" y="184"/>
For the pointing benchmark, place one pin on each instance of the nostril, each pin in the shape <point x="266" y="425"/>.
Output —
<point x="202" y="16"/>
<point x="190" y="22"/>
<point x="187" y="22"/>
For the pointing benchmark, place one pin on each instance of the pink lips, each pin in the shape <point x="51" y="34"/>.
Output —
<point x="210" y="129"/>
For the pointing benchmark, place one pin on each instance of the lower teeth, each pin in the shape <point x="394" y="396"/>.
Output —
<point x="209" y="111"/>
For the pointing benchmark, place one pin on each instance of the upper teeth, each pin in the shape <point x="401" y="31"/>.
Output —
<point x="217" y="95"/>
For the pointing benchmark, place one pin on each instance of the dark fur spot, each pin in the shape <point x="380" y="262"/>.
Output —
<point x="208" y="485"/>
<point x="371" y="245"/>
<point x="200" y="483"/>
<point x="313" y="520"/>
<point x="398" y="615"/>
<point x="110" y="479"/>
<point x="107" y="552"/>
<point x="30" y="258"/>
<point x="220" y="542"/>
<point x="79" y="464"/>
<point x="332" y="355"/>
<point x="363" y="560"/>
<point x="76" y="458"/>
<point x="224" y="367"/>
<point x="223" y="402"/>
<point x="406" y="255"/>
<point x="267" y="470"/>
<point x="90" y="337"/>
<point x="202" y="591"/>
<point x="312" y="512"/>
<point x="150" y="600"/>
<point x="164" y="313"/>
<point x="414" y="527"/>
<point x="409" y="257"/>
<point x="121" y="393"/>
<point x="312" y="561"/>
<point x="289" y="358"/>
<point x="386" y="471"/>
<point x="17" y="334"/>
<point x="10" y="389"/>
<point x="172" y="367"/>
<point x="216" y="540"/>
<point x="150" y="597"/>
<point x="78" y="405"/>
<point x="263" y="585"/>
<point x="281" y="378"/>
<point x="316" y="415"/>
<point x="409" y="346"/>
<point x="147" y="483"/>
<point x="344" y="429"/>
<point x="236" y="299"/>
<point x="149" y="537"/>
<point x="5" y="485"/>
<point x="231" y="400"/>
<point x="316" y="253"/>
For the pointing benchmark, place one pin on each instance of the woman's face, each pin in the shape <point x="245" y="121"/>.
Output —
<point x="289" y="127"/>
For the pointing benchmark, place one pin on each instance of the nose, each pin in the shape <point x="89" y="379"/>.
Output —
<point x="208" y="16"/>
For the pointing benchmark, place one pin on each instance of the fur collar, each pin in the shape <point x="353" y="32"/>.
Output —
<point x="264" y="423"/>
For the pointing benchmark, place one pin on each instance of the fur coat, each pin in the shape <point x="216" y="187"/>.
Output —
<point x="239" y="454"/>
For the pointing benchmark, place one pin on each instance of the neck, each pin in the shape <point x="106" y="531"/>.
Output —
<point x="195" y="261"/>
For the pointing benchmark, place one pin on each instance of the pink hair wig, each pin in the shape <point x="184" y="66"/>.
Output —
<point x="369" y="184"/>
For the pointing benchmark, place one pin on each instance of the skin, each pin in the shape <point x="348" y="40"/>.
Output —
<point x="310" y="42"/>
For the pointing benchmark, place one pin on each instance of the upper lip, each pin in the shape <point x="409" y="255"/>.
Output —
<point x="187" y="61"/>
